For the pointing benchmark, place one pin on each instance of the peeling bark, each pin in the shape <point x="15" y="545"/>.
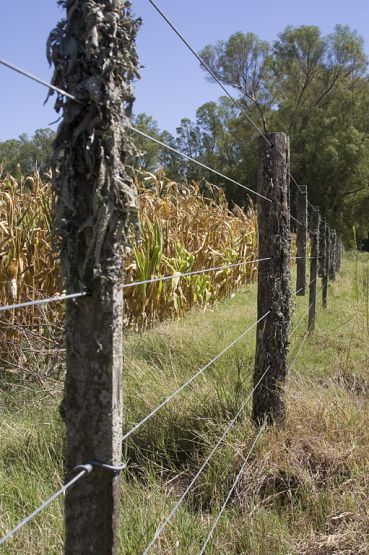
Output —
<point x="274" y="292"/>
<point x="95" y="60"/>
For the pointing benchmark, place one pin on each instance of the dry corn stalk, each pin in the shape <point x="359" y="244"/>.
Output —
<point x="185" y="227"/>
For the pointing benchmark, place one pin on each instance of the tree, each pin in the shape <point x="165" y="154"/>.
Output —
<point x="315" y="88"/>
<point x="24" y="156"/>
<point x="244" y="62"/>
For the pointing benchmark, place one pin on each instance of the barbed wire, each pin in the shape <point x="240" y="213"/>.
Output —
<point x="188" y="382"/>
<point x="232" y="422"/>
<point x="238" y="477"/>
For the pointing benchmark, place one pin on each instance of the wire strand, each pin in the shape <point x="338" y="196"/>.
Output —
<point x="194" y="273"/>
<point x="306" y="312"/>
<point x="238" y="477"/>
<point x="209" y="70"/>
<point x="218" y="81"/>
<point x="72" y="97"/>
<point x="231" y="423"/>
<point x="37" y="79"/>
<point x="45" y="504"/>
<point x="188" y="382"/>
<point x="299" y="351"/>
<point x="172" y="149"/>
<point x="55" y="299"/>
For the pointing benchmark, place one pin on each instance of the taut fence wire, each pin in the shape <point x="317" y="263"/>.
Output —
<point x="262" y="322"/>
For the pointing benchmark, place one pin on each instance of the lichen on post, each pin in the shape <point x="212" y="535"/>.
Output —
<point x="95" y="60"/>
<point x="274" y="292"/>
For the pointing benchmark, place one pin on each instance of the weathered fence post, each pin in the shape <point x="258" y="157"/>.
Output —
<point x="322" y="247"/>
<point x="301" y="238"/>
<point x="337" y="257"/>
<point x="95" y="59"/>
<point x="332" y="255"/>
<point x="325" y="278"/>
<point x="273" y="280"/>
<point x="314" y="242"/>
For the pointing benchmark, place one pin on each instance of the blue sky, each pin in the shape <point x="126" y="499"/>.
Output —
<point x="172" y="84"/>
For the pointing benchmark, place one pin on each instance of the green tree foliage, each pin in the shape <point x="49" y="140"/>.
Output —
<point x="315" y="88"/>
<point x="23" y="156"/>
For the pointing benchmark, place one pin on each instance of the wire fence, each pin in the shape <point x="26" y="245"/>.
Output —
<point x="87" y="468"/>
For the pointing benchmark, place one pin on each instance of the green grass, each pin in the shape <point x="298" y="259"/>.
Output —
<point x="304" y="490"/>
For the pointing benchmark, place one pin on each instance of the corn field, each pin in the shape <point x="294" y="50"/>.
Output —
<point x="184" y="227"/>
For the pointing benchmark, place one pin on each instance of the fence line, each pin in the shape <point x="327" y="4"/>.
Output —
<point x="87" y="468"/>
<point x="58" y="298"/>
<point x="300" y="320"/>
<point x="193" y="273"/>
<point x="137" y="131"/>
<point x="302" y="343"/>
<point x="232" y="422"/>
<point x="37" y="79"/>
<point x="188" y="382"/>
<point x="225" y="90"/>
<point x="62" y="297"/>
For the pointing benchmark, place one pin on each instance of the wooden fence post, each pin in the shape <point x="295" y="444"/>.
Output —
<point x="325" y="277"/>
<point x="322" y="247"/>
<point x="96" y="202"/>
<point x="332" y="255"/>
<point x="274" y="292"/>
<point x="301" y="239"/>
<point x="337" y="257"/>
<point x="314" y="241"/>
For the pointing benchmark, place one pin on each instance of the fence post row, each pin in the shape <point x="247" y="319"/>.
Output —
<point x="301" y="238"/>
<point x="96" y="202"/>
<point x="322" y="248"/>
<point x="274" y="292"/>
<point x="332" y="255"/>
<point x="314" y="224"/>
<point x="325" y="278"/>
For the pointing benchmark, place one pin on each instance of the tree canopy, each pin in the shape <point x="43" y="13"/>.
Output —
<point x="313" y="87"/>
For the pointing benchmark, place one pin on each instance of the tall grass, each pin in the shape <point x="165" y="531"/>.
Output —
<point x="304" y="490"/>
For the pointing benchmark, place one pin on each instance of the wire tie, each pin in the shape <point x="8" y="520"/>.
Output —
<point x="88" y="468"/>
<point x="118" y="468"/>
